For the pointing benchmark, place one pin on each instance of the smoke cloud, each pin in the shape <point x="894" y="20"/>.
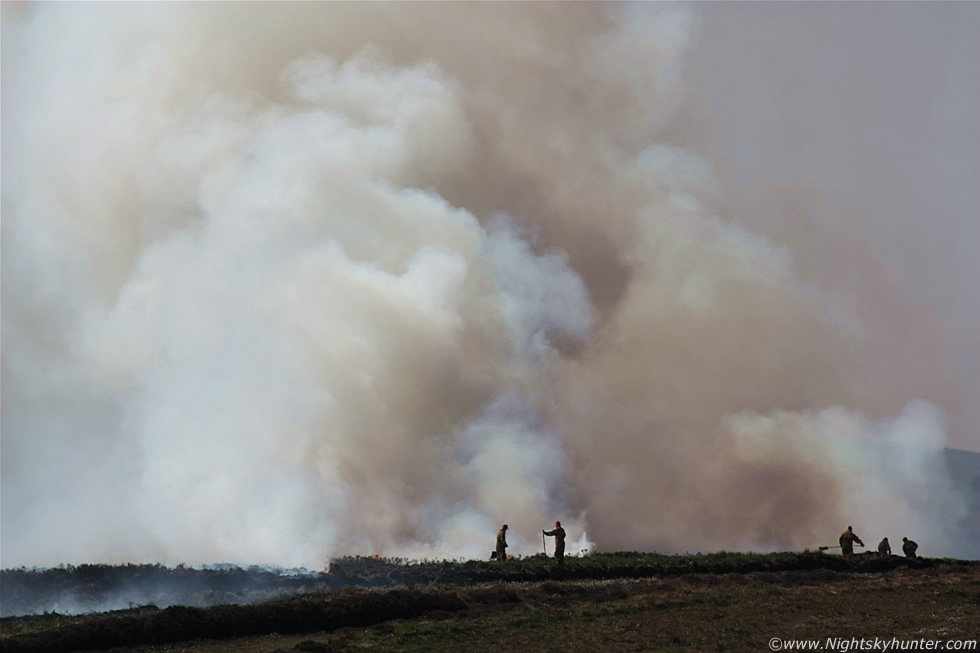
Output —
<point x="289" y="281"/>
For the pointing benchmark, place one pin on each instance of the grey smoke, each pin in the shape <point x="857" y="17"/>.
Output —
<point x="285" y="282"/>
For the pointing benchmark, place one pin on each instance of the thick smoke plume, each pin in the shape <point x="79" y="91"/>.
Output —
<point x="290" y="281"/>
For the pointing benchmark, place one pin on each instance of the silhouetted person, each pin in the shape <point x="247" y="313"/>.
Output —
<point x="847" y="540"/>
<point x="884" y="548"/>
<point x="502" y="544"/>
<point x="909" y="547"/>
<point x="559" y="534"/>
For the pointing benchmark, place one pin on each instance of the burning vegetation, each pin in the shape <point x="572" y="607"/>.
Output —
<point x="360" y="592"/>
<point x="101" y="588"/>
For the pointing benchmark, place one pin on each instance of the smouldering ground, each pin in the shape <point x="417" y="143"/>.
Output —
<point x="694" y="612"/>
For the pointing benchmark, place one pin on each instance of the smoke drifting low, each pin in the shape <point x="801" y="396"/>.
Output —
<point x="286" y="282"/>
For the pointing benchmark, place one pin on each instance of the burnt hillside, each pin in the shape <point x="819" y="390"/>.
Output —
<point x="103" y="588"/>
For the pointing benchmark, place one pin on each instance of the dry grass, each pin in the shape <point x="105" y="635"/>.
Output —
<point x="675" y="612"/>
<point x="695" y="613"/>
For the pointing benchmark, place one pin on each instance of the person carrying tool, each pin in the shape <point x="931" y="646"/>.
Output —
<point x="502" y="544"/>
<point x="884" y="548"/>
<point x="909" y="547"/>
<point x="559" y="534"/>
<point x="847" y="540"/>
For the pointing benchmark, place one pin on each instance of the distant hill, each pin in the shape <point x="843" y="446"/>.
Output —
<point x="964" y="469"/>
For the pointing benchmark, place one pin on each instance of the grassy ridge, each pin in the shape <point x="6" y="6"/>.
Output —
<point x="101" y="588"/>
<point x="453" y="589"/>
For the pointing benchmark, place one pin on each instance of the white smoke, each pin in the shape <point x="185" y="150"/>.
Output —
<point x="280" y="283"/>
<point x="897" y="465"/>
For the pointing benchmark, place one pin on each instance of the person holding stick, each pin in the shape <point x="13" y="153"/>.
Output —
<point x="847" y="540"/>
<point x="559" y="534"/>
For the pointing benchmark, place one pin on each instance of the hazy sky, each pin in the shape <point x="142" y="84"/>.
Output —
<point x="873" y="107"/>
<point x="282" y="281"/>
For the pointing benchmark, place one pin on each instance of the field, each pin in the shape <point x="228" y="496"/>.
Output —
<point x="607" y="602"/>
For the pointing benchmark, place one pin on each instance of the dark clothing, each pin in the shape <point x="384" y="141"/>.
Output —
<point x="559" y="534"/>
<point x="884" y="548"/>
<point x="847" y="541"/>
<point x="502" y="545"/>
<point x="909" y="547"/>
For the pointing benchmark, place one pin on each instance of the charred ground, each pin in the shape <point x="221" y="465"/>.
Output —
<point x="415" y="606"/>
<point x="102" y="588"/>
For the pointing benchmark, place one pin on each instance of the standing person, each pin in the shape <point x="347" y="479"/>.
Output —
<point x="847" y="540"/>
<point x="884" y="548"/>
<point x="909" y="547"/>
<point x="502" y="544"/>
<point x="559" y="534"/>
